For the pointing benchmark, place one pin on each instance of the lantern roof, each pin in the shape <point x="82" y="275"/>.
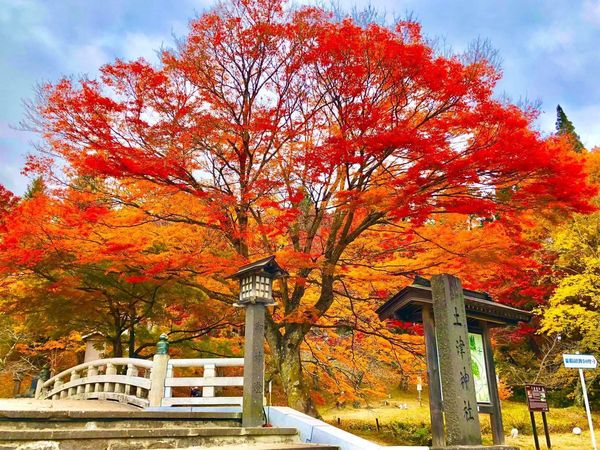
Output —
<point x="407" y="305"/>
<point x="266" y="266"/>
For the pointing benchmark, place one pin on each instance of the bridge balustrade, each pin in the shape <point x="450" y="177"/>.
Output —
<point x="126" y="380"/>
<point x="209" y="383"/>
<point x="130" y="380"/>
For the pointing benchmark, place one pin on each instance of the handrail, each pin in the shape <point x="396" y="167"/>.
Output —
<point x="201" y="362"/>
<point x="101" y="362"/>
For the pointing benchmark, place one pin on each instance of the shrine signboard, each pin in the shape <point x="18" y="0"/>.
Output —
<point x="536" y="397"/>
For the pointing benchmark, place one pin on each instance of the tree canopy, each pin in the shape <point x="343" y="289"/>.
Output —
<point x="355" y="154"/>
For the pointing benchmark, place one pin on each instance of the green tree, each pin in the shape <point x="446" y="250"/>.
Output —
<point x="564" y="127"/>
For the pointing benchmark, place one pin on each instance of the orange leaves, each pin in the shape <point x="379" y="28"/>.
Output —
<point x="355" y="154"/>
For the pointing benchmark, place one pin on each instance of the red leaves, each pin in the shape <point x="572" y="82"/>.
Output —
<point x="137" y="279"/>
<point x="7" y="201"/>
<point x="353" y="153"/>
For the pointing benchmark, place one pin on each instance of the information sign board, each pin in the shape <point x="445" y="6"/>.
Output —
<point x="536" y="397"/>
<point x="480" y="376"/>
<point x="580" y="361"/>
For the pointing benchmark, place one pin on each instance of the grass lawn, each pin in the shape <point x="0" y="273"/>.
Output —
<point x="411" y="426"/>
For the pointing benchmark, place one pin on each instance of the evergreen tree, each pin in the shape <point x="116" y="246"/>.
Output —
<point x="565" y="127"/>
<point x="37" y="186"/>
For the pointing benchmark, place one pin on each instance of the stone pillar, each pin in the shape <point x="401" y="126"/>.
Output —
<point x="74" y="376"/>
<point x="43" y="377"/>
<point x="111" y="369"/>
<point x="458" y="387"/>
<point x="254" y="366"/>
<point x="92" y="371"/>
<point x="159" y="372"/>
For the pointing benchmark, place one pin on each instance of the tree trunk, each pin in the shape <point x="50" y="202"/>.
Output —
<point x="117" y="345"/>
<point x="131" y="342"/>
<point x="293" y="381"/>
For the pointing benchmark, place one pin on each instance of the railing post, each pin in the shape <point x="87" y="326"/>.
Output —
<point x="159" y="372"/>
<point x="209" y="372"/>
<point x="110" y="370"/>
<point x="74" y="376"/>
<point x="132" y="371"/>
<point x="62" y="394"/>
<point x="92" y="371"/>
<point x="168" y="389"/>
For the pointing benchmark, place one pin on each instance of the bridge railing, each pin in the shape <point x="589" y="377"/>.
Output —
<point x="146" y="383"/>
<point x="126" y="380"/>
<point x="209" y="382"/>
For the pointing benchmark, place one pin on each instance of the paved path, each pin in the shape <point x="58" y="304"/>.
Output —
<point x="30" y="404"/>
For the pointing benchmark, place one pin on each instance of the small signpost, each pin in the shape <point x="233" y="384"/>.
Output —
<point x="419" y="389"/>
<point x="536" y="401"/>
<point x="577" y="361"/>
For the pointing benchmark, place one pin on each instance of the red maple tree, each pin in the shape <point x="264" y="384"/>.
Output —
<point x="286" y="132"/>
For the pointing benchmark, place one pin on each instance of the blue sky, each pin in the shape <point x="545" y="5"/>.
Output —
<point x="550" y="50"/>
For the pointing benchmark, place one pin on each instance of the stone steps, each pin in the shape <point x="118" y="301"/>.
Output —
<point x="106" y="424"/>
<point x="91" y="420"/>
<point x="142" y="438"/>
<point x="63" y="425"/>
<point x="267" y="447"/>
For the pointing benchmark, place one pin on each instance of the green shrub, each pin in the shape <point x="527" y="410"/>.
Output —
<point x="411" y="433"/>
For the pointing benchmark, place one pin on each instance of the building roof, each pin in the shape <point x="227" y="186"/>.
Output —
<point x="407" y="305"/>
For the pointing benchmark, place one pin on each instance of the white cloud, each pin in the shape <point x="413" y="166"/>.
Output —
<point x="11" y="178"/>
<point x="86" y="58"/>
<point x="141" y="45"/>
<point x="590" y="11"/>
<point x="551" y="38"/>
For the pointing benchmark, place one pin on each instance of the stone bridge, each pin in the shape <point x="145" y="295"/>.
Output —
<point x="146" y="384"/>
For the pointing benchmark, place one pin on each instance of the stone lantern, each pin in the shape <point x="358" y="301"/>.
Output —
<point x="95" y="346"/>
<point x="256" y="292"/>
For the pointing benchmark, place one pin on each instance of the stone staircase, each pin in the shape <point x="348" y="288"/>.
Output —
<point x="129" y="430"/>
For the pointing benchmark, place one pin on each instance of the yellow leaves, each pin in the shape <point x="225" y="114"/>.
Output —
<point x="574" y="308"/>
<point x="569" y="319"/>
<point x="306" y="314"/>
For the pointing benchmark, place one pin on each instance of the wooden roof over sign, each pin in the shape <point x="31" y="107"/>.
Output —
<point x="407" y="305"/>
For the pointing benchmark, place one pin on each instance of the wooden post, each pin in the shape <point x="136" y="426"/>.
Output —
<point x="534" y="429"/>
<point x="433" y="376"/>
<point x="490" y="367"/>
<point x="546" y="432"/>
<point x="209" y="372"/>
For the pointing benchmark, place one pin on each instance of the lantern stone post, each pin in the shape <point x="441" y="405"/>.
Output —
<point x="256" y="293"/>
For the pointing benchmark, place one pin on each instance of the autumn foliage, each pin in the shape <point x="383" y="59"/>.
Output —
<point x="354" y="154"/>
